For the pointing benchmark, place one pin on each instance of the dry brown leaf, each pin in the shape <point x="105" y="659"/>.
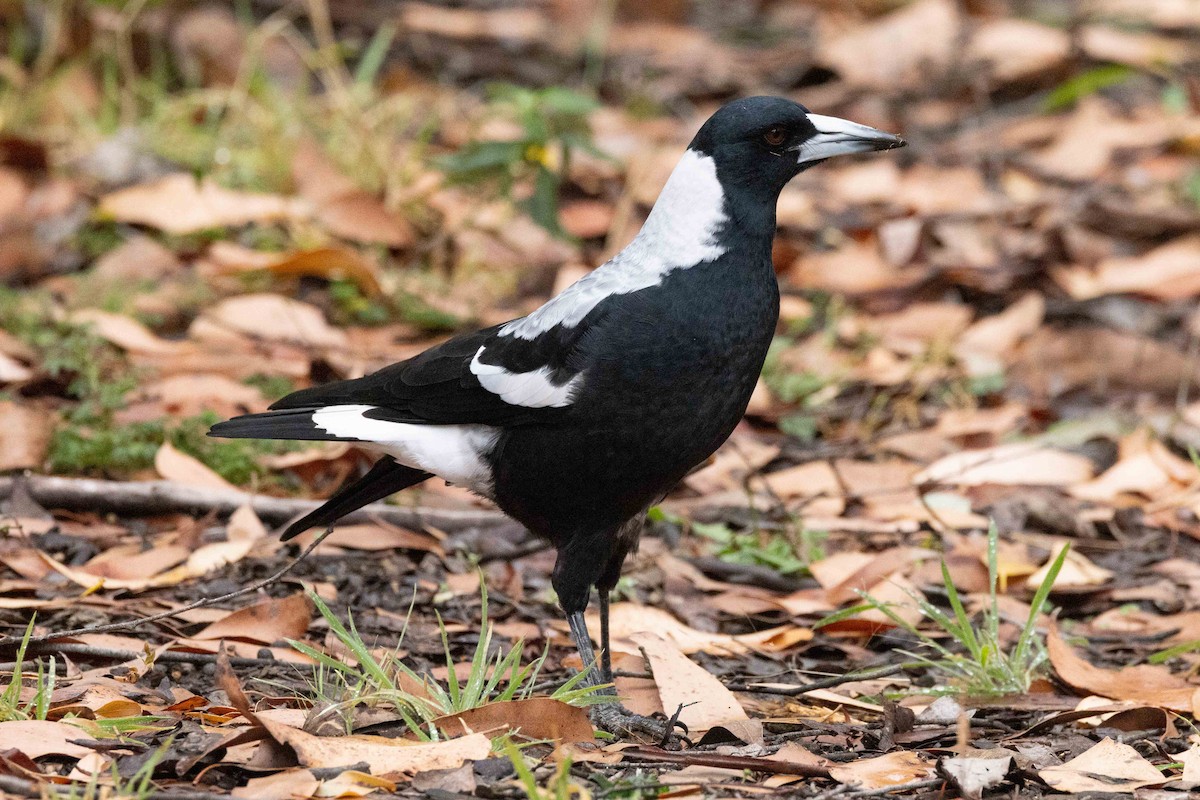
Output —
<point x="24" y="435"/>
<point x="1106" y="767"/>
<point x="1146" y="684"/>
<point x="534" y="717"/>
<point x="189" y="394"/>
<point x="133" y="563"/>
<point x="856" y="268"/>
<point x="1055" y="361"/>
<point x="330" y="263"/>
<point x="1025" y="464"/>
<point x="383" y="756"/>
<point x="381" y="536"/>
<point x="1191" y="767"/>
<point x="1168" y="272"/>
<point x="286" y="785"/>
<point x="179" y="204"/>
<point x="1077" y="570"/>
<point x="362" y="217"/>
<point x="273" y="317"/>
<point x="36" y="738"/>
<point x="139" y="258"/>
<point x="894" y="769"/>
<point x="181" y="468"/>
<point x="124" y="332"/>
<point x="984" y="347"/>
<point x="1016" y="49"/>
<point x="266" y="622"/>
<point x="1135" y="48"/>
<point x="1090" y="136"/>
<point x="628" y="619"/>
<point x="705" y="700"/>
<point x="901" y="49"/>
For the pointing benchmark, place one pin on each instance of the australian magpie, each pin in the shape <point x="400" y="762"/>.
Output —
<point x="577" y="418"/>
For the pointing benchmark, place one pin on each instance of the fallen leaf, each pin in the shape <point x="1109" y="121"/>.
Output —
<point x="629" y="619"/>
<point x="181" y="468"/>
<point x="534" y="717"/>
<point x="894" y="769"/>
<point x="180" y="204"/>
<point x="284" y="785"/>
<point x="1167" y="272"/>
<point x="275" y="318"/>
<point x="902" y="49"/>
<point x="1146" y="684"/>
<point x="24" y="435"/>
<point x="266" y="622"/>
<point x="36" y="738"/>
<point x="1016" y="49"/>
<point x="383" y="756"/>
<point x="124" y="332"/>
<point x="1106" y="767"/>
<point x="974" y="774"/>
<point x="1024" y="464"/>
<point x="681" y="682"/>
<point x="1077" y="570"/>
<point x="330" y="263"/>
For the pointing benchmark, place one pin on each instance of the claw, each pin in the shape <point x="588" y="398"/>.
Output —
<point x="616" y="719"/>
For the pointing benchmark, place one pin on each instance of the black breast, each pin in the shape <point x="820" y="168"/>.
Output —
<point x="669" y="371"/>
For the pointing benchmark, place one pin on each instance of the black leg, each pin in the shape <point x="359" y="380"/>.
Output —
<point x="583" y="643"/>
<point x="606" y="673"/>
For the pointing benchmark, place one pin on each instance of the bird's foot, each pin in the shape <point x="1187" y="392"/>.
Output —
<point x="614" y="718"/>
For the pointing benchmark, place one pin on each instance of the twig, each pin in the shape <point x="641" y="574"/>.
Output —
<point x="689" y="758"/>
<point x="167" y="656"/>
<point x="903" y="787"/>
<point x="826" y="683"/>
<point x="160" y="497"/>
<point x="204" y="602"/>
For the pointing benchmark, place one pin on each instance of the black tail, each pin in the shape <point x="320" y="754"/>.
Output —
<point x="294" y="423"/>
<point x="387" y="477"/>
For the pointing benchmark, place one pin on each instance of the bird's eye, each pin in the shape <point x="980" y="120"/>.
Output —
<point x="775" y="135"/>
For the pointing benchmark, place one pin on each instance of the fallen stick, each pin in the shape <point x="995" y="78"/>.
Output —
<point x="146" y="498"/>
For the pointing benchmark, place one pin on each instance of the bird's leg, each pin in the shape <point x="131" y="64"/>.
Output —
<point x="583" y="643"/>
<point x="606" y="673"/>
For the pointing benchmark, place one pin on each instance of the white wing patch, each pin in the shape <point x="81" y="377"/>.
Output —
<point x="680" y="232"/>
<point x="455" y="452"/>
<point x="532" y="389"/>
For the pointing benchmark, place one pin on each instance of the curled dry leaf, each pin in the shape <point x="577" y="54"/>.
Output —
<point x="1077" y="570"/>
<point x="273" y="317"/>
<point x="180" y="204"/>
<point x="383" y="756"/>
<point x="1025" y="464"/>
<point x="24" y="435"/>
<point x="267" y="622"/>
<point x="330" y="263"/>
<point x="628" y="619"/>
<point x="894" y="769"/>
<point x="902" y="48"/>
<point x="1107" y="767"/>
<point x="705" y="700"/>
<point x="534" y="717"/>
<point x="182" y="468"/>
<point x="1147" y="684"/>
<point x="36" y="738"/>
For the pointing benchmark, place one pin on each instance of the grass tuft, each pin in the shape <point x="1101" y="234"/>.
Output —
<point x="419" y="699"/>
<point x="980" y="665"/>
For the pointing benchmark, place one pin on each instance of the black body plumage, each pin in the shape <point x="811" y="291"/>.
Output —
<point x="576" y="419"/>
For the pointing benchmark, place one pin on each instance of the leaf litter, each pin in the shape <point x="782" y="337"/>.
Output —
<point x="993" y="328"/>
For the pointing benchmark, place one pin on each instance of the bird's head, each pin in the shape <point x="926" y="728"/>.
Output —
<point x="761" y="143"/>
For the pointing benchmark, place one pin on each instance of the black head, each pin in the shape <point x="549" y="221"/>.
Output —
<point x="761" y="143"/>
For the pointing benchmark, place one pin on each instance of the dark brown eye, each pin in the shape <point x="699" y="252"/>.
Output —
<point x="775" y="135"/>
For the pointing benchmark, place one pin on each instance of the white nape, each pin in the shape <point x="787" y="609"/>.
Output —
<point x="455" y="452"/>
<point x="680" y="232"/>
<point x="532" y="389"/>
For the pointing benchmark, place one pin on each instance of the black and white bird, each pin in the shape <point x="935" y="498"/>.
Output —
<point x="577" y="418"/>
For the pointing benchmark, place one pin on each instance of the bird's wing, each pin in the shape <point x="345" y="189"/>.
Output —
<point x="488" y="377"/>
